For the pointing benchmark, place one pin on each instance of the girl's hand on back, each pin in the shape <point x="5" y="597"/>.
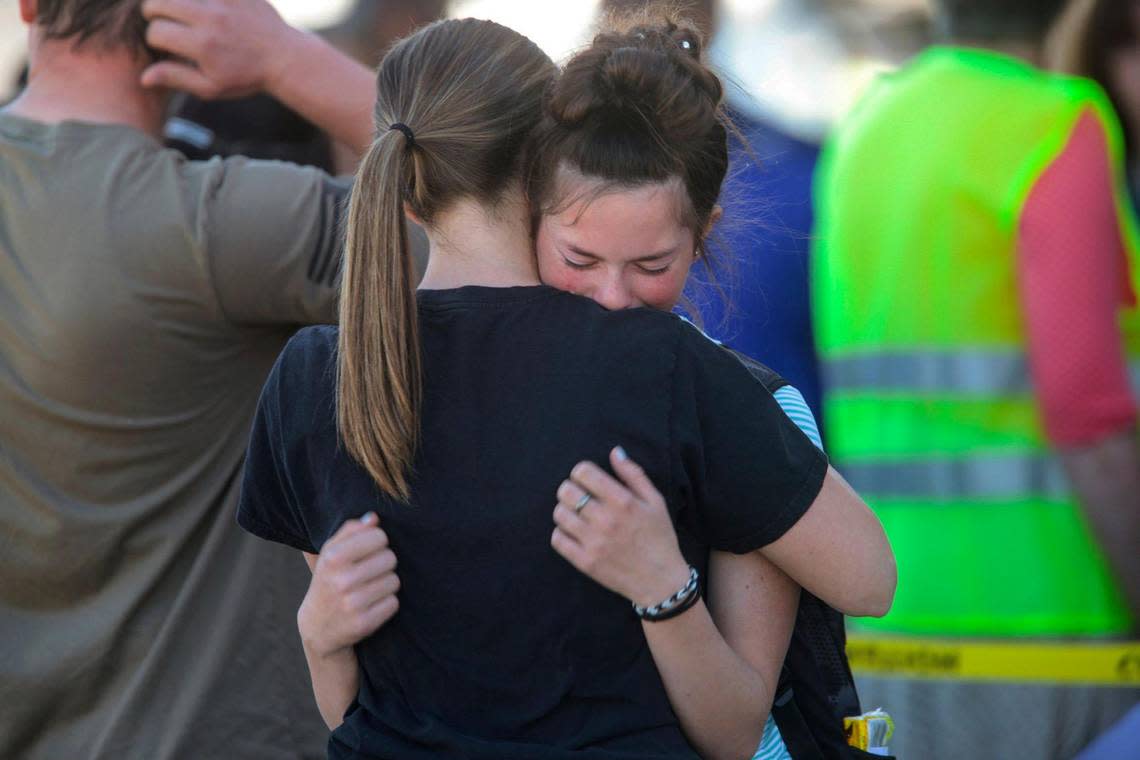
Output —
<point x="353" y="590"/>
<point x="622" y="535"/>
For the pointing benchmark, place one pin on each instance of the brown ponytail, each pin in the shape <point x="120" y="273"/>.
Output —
<point x="467" y="94"/>
<point x="379" y="363"/>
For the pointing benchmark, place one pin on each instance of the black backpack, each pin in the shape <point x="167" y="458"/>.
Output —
<point x="816" y="690"/>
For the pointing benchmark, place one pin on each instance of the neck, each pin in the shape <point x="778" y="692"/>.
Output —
<point x="474" y="245"/>
<point x="87" y="83"/>
<point x="1029" y="52"/>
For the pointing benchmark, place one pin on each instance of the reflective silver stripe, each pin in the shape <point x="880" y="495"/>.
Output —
<point x="992" y="373"/>
<point x="992" y="478"/>
<point x="970" y="372"/>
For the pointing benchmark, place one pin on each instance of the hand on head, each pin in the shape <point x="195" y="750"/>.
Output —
<point x="353" y="590"/>
<point x="622" y="536"/>
<point x="218" y="48"/>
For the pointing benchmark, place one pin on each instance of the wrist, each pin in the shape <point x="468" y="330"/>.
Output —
<point x="312" y="640"/>
<point x="315" y="649"/>
<point x="677" y="603"/>
<point x="663" y="585"/>
<point x="294" y="45"/>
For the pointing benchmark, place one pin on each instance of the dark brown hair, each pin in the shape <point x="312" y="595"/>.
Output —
<point x="1109" y="26"/>
<point x="701" y="12"/>
<point x="637" y="106"/>
<point x="108" y="23"/>
<point x="467" y="94"/>
<point x="985" y="20"/>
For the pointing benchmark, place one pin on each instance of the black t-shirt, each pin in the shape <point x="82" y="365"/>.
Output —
<point x="501" y="649"/>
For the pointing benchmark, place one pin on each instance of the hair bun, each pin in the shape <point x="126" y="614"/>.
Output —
<point x="637" y="67"/>
<point x="637" y="106"/>
<point x="689" y="40"/>
<point x="663" y="34"/>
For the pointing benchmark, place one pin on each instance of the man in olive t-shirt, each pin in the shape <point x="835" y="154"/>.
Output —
<point x="143" y="300"/>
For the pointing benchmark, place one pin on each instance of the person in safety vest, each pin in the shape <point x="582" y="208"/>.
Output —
<point x="974" y="291"/>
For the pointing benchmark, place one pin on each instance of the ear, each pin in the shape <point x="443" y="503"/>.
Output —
<point x="28" y="11"/>
<point x="411" y="214"/>
<point x="714" y="217"/>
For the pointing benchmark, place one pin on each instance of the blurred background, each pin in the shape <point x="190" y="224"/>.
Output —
<point x="794" y="69"/>
<point x="800" y="63"/>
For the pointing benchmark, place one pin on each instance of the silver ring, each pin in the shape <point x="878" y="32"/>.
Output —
<point x="582" y="502"/>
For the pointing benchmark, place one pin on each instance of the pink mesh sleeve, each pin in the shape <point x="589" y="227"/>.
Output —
<point x="1073" y="271"/>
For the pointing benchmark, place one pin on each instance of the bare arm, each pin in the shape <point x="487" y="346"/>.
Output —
<point x="1106" y="477"/>
<point x="754" y="606"/>
<point x="232" y="48"/>
<point x="335" y="675"/>
<point x="352" y="594"/>
<point x="721" y="672"/>
<point x="839" y="552"/>
<point x="720" y="686"/>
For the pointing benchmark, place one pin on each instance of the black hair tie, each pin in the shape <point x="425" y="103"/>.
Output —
<point x="408" y="134"/>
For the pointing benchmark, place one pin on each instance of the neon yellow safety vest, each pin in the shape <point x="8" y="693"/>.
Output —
<point x="929" y="409"/>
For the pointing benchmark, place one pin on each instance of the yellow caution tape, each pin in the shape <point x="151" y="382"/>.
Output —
<point x="1107" y="664"/>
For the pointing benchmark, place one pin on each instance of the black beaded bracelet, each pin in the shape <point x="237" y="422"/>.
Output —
<point x="682" y="600"/>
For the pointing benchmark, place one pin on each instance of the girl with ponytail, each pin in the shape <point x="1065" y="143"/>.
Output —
<point x="449" y="126"/>
<point x="447" y="416"/>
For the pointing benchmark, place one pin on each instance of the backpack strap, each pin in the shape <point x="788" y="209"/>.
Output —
<point x="798" y="738"/>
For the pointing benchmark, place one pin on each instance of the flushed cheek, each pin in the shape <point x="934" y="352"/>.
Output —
<point x="661" y="292"/>
<point x="560" y="276"/>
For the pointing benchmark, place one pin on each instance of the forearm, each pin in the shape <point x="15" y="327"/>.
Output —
<point x="839" y="552"/>
<point x="355" y="608"/>
<point x="721" y="700"/>
<point x="720" y="686"/>
<point x="1106" y="478"/>
<point x="336" y="679"/>
<point x="328" y="88"/>
<point x="234" y="48"/>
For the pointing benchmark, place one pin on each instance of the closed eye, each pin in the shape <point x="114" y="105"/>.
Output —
<point x="578" y="264"/>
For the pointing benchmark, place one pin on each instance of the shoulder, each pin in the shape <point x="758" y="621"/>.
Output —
<point x="305" y="369"/>
<point x="311" y="352"/>
<point x="298" y="400"/>
<point x="764" y="374"/>
<point x="621" y="329"/>
<point x="710" y="354"/>
<point x="1072" y="90"/>
<point x="1090" y="104"/>
<point x="1065" y="98"/>
<point x="255" y="176"/>
<point x="792" y="403"/>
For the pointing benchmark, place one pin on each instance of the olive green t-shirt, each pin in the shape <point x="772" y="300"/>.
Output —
<point x="143" y="300"/>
